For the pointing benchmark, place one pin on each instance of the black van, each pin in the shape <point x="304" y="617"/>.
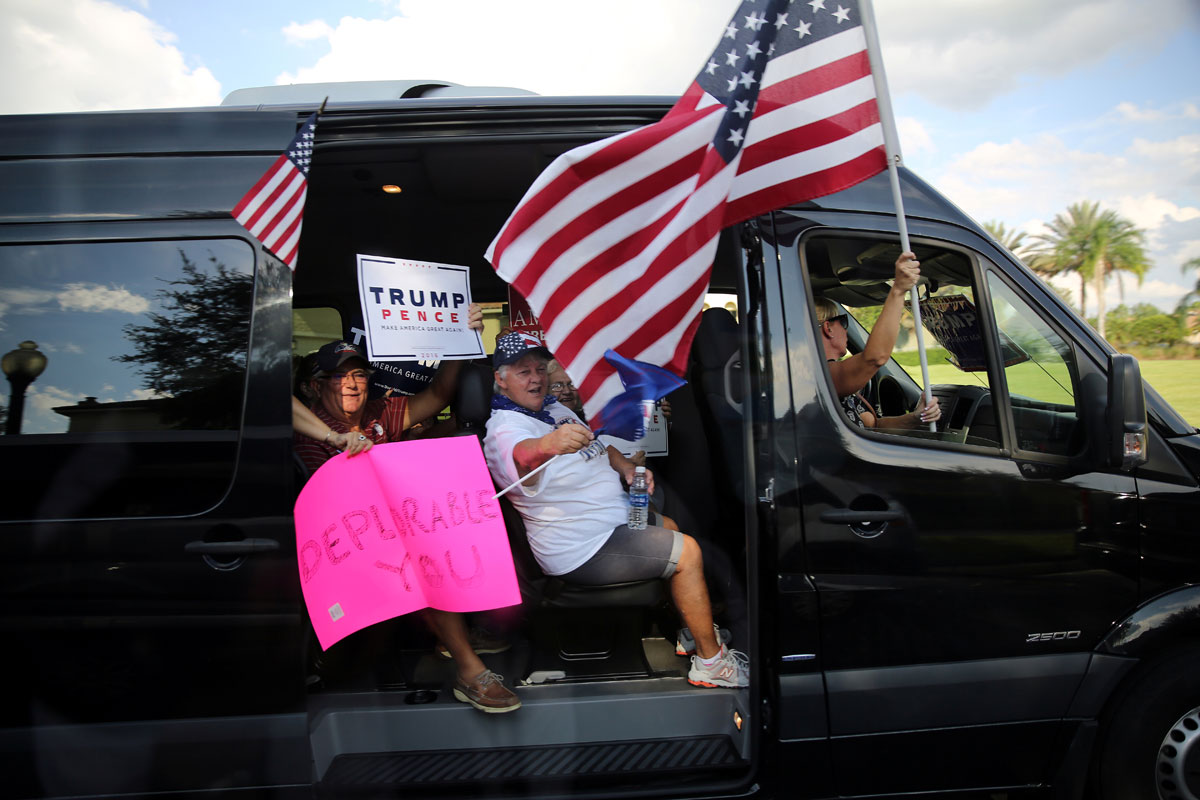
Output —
<point x="1009" y="602"/>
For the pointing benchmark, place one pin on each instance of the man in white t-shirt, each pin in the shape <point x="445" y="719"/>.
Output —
<point x="575" y="509"/>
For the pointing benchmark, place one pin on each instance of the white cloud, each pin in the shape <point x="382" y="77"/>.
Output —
<point x="26" y="298"/>
<point x="147" y="394"/>
<point x="83" y="55"/>
<point x="914" y="137"/>
<point x="614" y="57"/>
<point x="93" y="297"/>
<point x="1149" y="211"/>
<point x="1188" y="250"/>
<point x="963" y="54"/>
<point x="1182" y="152"/>
<point x="1026" y="182"/>
<point x="297" y="33"/>
<point x="40" y="402"/>
<point x="1130" y="112"/>
<point x="1145" y="182"/>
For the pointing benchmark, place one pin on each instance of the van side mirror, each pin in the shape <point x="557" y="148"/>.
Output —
<point x="1126" y="413"/>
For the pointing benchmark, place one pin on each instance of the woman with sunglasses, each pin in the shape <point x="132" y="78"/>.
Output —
<point x="851" y="375"/>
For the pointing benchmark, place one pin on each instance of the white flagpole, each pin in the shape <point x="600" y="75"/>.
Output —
<point x="891" y="145"/>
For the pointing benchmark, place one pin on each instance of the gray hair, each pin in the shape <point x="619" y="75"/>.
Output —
<point x="502" y="370"/>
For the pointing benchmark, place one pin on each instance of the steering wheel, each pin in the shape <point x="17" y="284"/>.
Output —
<point x="891" y="397"/>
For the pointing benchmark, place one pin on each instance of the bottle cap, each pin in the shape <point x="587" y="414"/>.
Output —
<point x="639" y="470"/>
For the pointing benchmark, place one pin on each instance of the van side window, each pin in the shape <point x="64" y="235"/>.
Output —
<point x="1040" y="374"/>
<point x="146" y="348"/>
<point x="851" y="276"/>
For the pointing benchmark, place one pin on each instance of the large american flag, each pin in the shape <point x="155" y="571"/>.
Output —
<point x="273" y="208"/>
<point x="613" y="243"/>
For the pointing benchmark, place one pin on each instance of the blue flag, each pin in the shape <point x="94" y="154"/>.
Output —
<point x="625" y="415"/>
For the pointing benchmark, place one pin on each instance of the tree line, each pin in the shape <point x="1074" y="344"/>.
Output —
<point x="1096" y="245"/>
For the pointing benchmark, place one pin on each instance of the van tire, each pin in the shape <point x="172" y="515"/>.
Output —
<point x="1150" y="731"/>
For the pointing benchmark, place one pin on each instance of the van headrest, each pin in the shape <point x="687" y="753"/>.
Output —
<point x="716" y="338"/>
<point x="473" y="397"/>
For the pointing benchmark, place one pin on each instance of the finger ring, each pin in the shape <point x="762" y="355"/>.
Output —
<point x="362" y="438"/>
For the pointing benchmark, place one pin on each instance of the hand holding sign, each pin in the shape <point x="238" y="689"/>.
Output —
<point x="406" y="526"/>
<point x="416" y="310"/>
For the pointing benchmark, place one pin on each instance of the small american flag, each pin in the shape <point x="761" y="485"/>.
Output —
<point x="613" y="243"/>
<point x="273" y="209"/>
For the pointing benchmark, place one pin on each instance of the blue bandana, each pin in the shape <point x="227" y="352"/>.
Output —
<point x="502" y="403"/>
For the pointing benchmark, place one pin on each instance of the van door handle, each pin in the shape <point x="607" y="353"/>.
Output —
<point x="238" y="548"/>
<point x="848" y="516"/>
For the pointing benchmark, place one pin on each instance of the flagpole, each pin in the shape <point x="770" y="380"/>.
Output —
<point x="891" y="146"/>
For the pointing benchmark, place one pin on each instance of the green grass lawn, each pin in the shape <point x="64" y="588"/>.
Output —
<point x="1177" y="381"/>
<point x="1179" y="384"/>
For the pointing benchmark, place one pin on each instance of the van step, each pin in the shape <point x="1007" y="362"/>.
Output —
<point x="593" y="760"/>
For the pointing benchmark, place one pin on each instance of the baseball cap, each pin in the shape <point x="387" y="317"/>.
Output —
<point x="512" y="347"/>
<point x="331" y="356"/>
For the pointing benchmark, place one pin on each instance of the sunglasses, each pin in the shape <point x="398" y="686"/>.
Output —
<point x="843" y="319"/>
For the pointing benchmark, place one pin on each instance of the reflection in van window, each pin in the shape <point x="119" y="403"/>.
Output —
<point x="145" y="354"/>
<point x="1040" y="376"/>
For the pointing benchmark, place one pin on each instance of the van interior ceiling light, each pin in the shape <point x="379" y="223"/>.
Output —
<point x="390" y="188"/>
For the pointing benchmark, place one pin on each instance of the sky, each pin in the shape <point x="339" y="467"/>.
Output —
<point x="1014" y="109"/>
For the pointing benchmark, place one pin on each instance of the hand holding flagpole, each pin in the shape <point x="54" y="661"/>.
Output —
<point x="891" y="144"/>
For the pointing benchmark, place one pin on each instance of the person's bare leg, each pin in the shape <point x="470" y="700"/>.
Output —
<point x="690" y="594"/>
<point x="451" y="629"/>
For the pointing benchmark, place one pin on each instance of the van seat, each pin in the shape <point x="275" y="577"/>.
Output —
<point x="717" y="382"/>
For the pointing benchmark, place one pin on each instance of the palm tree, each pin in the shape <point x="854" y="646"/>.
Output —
<point x="1192" y="265"/>
<point x="1012" y="241"/>
<point x="1189" y="318"/>
<point x="1061" y="251"/>
<point x="1117" y="246"/>
<point x="1093" y="244"/>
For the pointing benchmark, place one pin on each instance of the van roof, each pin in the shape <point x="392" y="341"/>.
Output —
<point x="499" y="144"/>
<point x="337" y="93"/>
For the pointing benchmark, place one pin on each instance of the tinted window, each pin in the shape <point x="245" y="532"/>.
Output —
<point x="854" y="274"/>
<point x="1040" y="375"/>
<point x="137" y="410"/>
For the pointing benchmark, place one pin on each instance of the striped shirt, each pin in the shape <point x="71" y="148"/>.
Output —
<point x="382" y="421"/>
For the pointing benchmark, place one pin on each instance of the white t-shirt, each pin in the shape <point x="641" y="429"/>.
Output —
<point x="573" y="505"/>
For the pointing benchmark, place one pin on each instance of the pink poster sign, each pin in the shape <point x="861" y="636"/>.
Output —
<point x="404" y="526"/>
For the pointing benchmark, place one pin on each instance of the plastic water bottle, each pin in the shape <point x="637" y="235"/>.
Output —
<point x="639" y="500"/>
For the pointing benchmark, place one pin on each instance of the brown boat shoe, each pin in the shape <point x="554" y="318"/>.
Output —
<point x="487" y="692"/>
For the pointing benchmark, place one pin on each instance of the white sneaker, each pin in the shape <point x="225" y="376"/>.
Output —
<point x="730" y="668"/>
<point x="685" y="643"/>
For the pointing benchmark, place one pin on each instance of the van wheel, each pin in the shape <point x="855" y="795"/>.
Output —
<point x="1150" y="737"/>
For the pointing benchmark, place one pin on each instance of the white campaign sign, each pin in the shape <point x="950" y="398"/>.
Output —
<point x="654" y="442"/>
<point x="416" y="310"/>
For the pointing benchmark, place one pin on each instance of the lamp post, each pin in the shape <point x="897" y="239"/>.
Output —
<point x="21" y="367"/>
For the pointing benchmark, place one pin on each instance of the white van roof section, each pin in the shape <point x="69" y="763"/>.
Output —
<point x="360" y="92"/>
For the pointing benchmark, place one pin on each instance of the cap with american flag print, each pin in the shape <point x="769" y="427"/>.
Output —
<point x="512" y="347"/>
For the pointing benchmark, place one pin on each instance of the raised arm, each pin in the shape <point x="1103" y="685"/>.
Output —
<point x="852" y="374"/>
<point x="440" y="392"/>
